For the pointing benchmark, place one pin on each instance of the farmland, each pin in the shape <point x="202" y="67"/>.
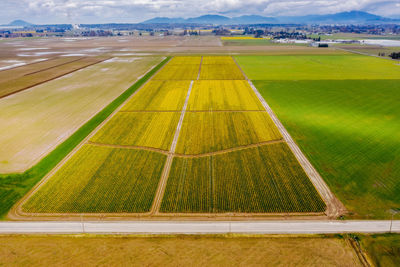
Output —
<point x="159" y="95"/>
<point x="246" y="166"/>
<point x="256" y="180"/>
<point x="347" y="126"/>
<point x="14" y="186"/>
<point x="218" y="60"/>
<point x="179" y="71"/>
<point x="173" y="250"/>
<point x="18" y="79"/>
<point x="92" y="182"/>
<point x="223" y="95"/>
<point x="53" y="111"/>
<point x="310" y="67"/>
<point x="350" y="131"/>
<point x="220" y="72"/>
<point x="222" y="130"/>
<point x="139" y="129"/>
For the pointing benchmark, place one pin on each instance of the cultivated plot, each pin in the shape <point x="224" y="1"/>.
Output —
<point x="33" y="122"/>
<point x="223" y="95"/>
<point x="94" y="181"/>
<point x="145" y="129"/>
<point x="221" y="72"/>
<point x="159" y="96"/>
<point x="217" y="60"/>
<point x="266" y="179"/>
<point x="204" y="132"/>
<point x="178" y="72"/>
<point x="184" y="60"/>
<point x="318" y="67"/>
<point x="56" y="68"/>
<point x="350" y="131"/>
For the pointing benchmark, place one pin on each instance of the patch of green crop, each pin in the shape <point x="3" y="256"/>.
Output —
<point x="318" y="67"/>
<point x="350" y="131"/>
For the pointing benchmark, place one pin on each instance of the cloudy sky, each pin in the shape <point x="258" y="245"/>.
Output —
<point x="103" y="11"/>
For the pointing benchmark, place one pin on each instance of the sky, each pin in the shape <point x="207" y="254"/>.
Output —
<point x="133" y="11"/>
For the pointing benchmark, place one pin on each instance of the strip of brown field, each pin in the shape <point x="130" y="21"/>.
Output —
<point x="173" y="250"/>
<point x="14" y="73"/>
<point x="28" y="78"/>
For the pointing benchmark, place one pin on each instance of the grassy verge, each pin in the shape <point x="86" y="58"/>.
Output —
<point x="14" y="186"/>
<point x="383" y="250"/>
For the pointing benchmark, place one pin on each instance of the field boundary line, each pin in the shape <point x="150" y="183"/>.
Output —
<point x="180" y="155"/>
<point x="201" y="62"/>
<point x="228" y="150"/>
<point x="199" y="111"/>
<point x="167" y="167"/>
<point x="16" y="211"/>
<point x="334" y="207"/>
<point x="49" y="68"/>
<point x="53" y="58"/>
<point x="154" y="149"/>
<point x="53" y="78"/>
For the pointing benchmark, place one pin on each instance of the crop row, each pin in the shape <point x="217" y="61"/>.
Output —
<point x="149" y="129"/>
<point x="184" y="60"/>
<point x="178" y="72"/>
<point x="204" y="132"/>
<point x="218" y="60"/>
<point x="221" y="72"/>
<point x="101" y="179"/>
<point x="159" y="95"/>
<point x="257" y="180"/>
<point x="223" y="95"/>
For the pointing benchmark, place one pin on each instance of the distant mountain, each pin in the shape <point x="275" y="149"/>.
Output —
<point x="351" y="17"/>
<point x="253" y="19"/>
<point x="164" y="20"/>
<point x="19" y="22"/>
<point x="211" y="19"/>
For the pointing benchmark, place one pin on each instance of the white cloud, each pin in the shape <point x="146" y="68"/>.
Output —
<point x="100" y="11"/>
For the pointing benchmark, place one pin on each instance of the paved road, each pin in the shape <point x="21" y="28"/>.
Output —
<point x="151" y="227"/>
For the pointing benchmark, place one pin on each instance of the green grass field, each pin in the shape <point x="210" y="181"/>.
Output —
<point x="216" y="131"/>
<point x="313" y="67"/>
<point x="350" y="130"/>
<point x="93" y="180"/>
<point x="262" y="179"/>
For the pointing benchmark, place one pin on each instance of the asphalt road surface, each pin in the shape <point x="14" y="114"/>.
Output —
<point x="152" y="227"/>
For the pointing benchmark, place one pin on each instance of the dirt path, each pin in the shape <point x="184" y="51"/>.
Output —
<point x="167" y="167"/>
<point x="233" y="149"/>
<point x="334" y="207"/>
<point x="165" y="152"/>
